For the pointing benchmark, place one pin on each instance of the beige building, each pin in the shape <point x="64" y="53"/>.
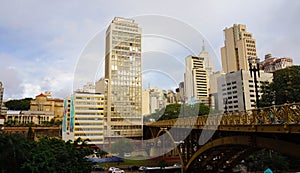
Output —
<point x="196" y="80"/>
<point x="239" y="46"/>
<point x="26" y="117"/>
<point x="272" y="64"/>
<point x="123" y="73"/>
<point x="84" y="117"/>
<point x="236" y="91"/>
<point x="45" y="103"/>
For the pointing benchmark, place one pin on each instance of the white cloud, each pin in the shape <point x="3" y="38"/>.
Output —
<point x="42" y="42"/>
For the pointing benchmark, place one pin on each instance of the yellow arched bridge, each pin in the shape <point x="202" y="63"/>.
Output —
<point x="223" y="140"/>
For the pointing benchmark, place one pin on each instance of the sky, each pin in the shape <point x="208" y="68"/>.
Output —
<point x="59" y="45"/>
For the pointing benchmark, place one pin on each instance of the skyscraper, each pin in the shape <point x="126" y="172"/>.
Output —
<point x="123" y="74"/>
<point x="196" y="85"/>
<point x="239" y="46"/>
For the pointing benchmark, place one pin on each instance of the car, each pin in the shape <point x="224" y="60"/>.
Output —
<point x="133" y="168"/>
<point x="115" y="170"/>
<point x="127" y="155"/>
<point x="98" y="168"/>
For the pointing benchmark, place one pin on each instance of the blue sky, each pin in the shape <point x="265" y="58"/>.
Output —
<point x="44" y="44"/>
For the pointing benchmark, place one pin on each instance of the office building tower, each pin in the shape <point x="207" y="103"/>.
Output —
<point x="207" y="61"/>
<point x="239" y="46"/>
<point x="123" y="74"/>
<point x="196" y="84"/>
<point x="84" y="118"/>
<point x="236" y="90"/>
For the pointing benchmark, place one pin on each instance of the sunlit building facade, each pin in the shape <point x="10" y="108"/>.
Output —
<point x="84" y="118"/>
<point x="123" y="75"/>
<point x="239" y="45"/>
<point x="196" y="80"/>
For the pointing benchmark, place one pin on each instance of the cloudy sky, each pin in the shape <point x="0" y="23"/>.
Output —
<point x="58" y="45"/>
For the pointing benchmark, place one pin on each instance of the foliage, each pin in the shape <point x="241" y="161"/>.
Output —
<point x="285" y="87"/>
<point x="173" y="111"/>
<point x="22" y="104"/>
<point x="14" y="151"/>
<point x="268" y="95"/>
<point x="267" y="159"/>
<point x="18" y="154"/>
<point x="122" y="146"/>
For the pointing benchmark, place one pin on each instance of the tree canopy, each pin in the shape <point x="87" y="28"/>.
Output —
<point x="122" y="146"/>
<point x="173" y="111"/>
<point x="285" y="87"/>
<point x="18" y="154"/>
<point x="22" y="104"/>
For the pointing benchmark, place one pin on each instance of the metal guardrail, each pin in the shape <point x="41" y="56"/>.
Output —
<point x="278" y="114"/>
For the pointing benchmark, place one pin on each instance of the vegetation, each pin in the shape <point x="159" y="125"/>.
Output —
<point x="21" y="155"/>
<point x="285" y="87"/>
<point x="22" y="104"/>
<point x="173" y="111"/>
<point x="267" y="159"/>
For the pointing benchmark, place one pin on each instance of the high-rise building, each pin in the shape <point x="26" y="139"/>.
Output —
<point x="236" y="90"/>
<point x="239" y="46"/>
<point x="207" y="61"/>
<point x="196" y="84"/>
<point x="84" y="117"/>
<point x="123" y="74"/>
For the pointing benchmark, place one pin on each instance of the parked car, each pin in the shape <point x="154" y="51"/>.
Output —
<point x="98" y="168"/>
<point x="133" y="168"/>
<point x="115" y="170"/>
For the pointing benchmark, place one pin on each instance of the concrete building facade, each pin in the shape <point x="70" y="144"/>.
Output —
<point x="84" y="117"/>
<point x="236" y="91"/>
<point x="196" y="80"/>
<point x="45" y="103"/>
<point x="272" y="64"/>
<point x="239" y="45"/>
<point x="123" y="74"/>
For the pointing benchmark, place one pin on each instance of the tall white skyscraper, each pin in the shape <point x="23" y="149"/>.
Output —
<point x="123" y="75"/>
<point x="196" y="84"/>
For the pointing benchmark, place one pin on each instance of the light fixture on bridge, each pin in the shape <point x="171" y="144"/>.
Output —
<point x="254" y="68"/>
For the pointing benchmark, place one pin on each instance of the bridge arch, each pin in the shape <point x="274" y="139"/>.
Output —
<point x="173" y="141"/>
<point x="289" y="148"/>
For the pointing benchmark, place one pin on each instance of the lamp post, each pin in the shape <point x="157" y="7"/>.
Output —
<point x="254" y="68"/>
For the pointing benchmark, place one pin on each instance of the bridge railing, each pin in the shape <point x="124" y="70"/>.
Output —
<point x="277" y="114"/>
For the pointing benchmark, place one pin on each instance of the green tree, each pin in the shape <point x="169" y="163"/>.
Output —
<point x="122" y="146"/>
<point x="173" y="111"/>
<point x="14" y="151"/>
<point x="268" y="95"/>
<point x="287" y="85"/>
<point x="22" y="104"/>
<point x="20" y="155"/>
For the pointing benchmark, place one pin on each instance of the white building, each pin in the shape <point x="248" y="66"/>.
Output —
<point x="196" y="80"/>
<point x="84" y="117"/>
<point x="272" y="64"/>
<point x="236" y="91"/>
<point x="153" y="99"/>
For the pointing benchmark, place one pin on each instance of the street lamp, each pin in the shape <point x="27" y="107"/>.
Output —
<point x="254" y="68"/>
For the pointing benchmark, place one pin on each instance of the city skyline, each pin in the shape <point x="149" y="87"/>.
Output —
<point x="41" y="43"/>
